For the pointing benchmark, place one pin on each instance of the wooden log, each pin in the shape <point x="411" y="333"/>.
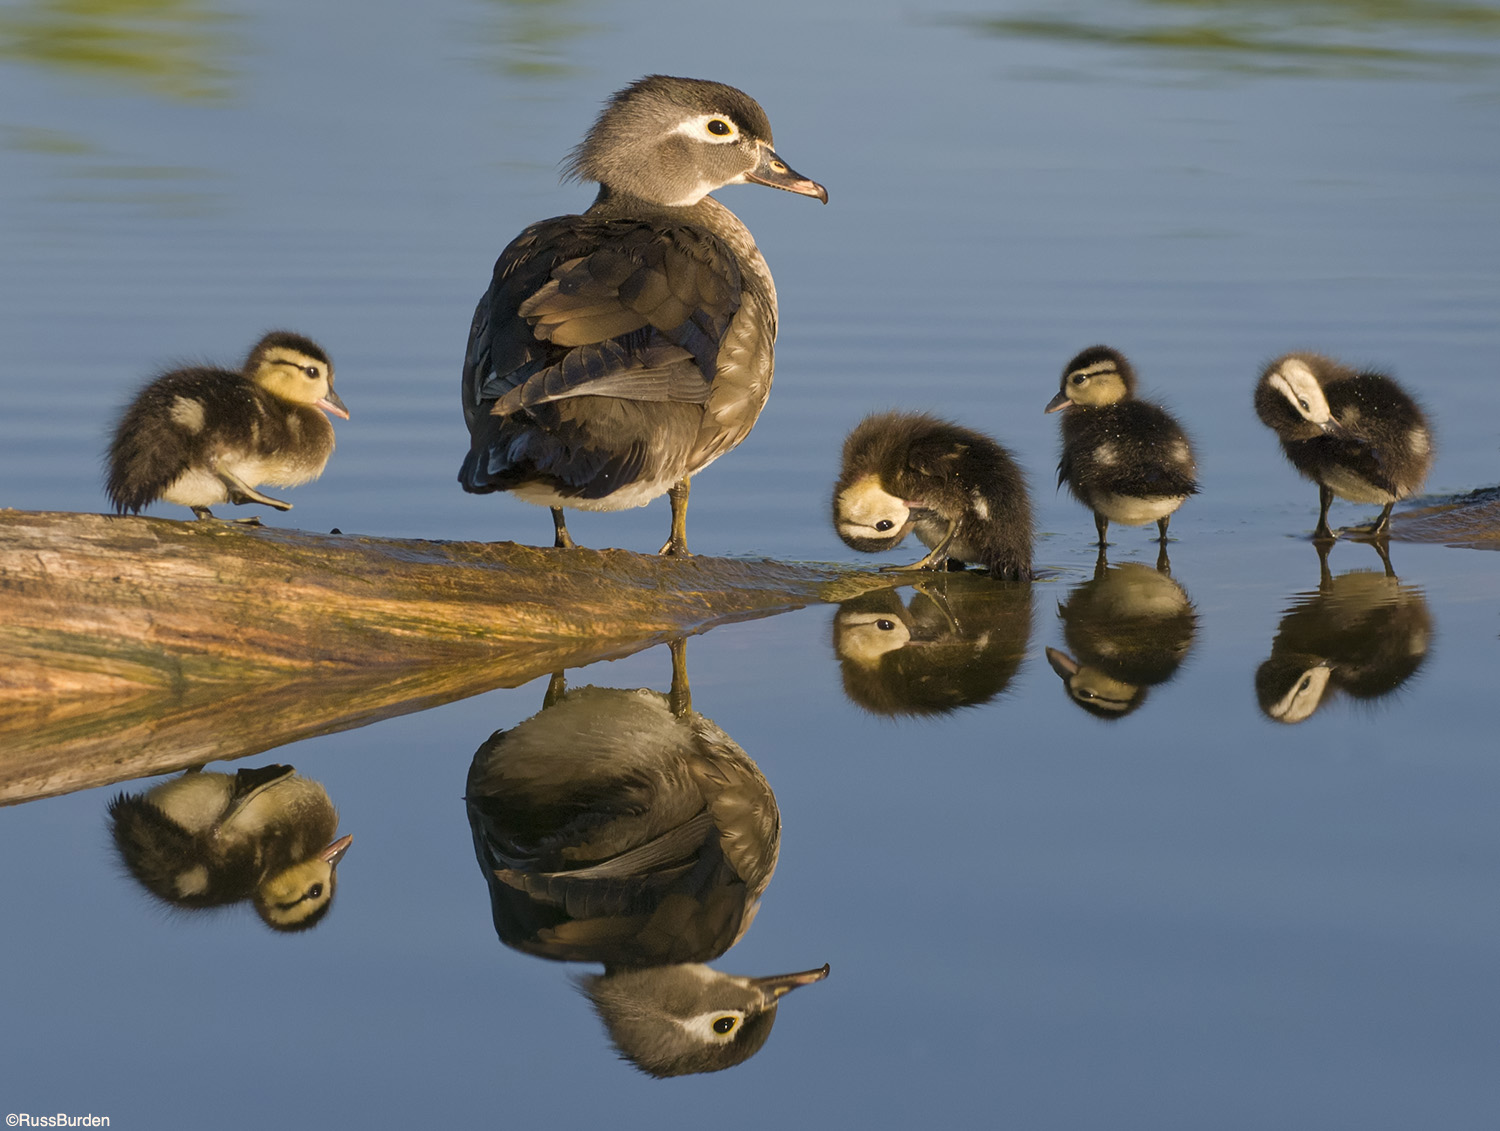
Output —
<point x="1469" y="521"/>
<point x="135" y="646"/>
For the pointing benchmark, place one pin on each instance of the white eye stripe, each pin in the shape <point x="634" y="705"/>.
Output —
<point x="697" y="128"/>
<point x="1295" y="381"/>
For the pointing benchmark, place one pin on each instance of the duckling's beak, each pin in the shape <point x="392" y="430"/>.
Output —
<point x="777" y="985"/>
<point x="1057" y="403"/>
<point x="335" y="851"/>
<point x="1332" y="427"/>
<point x="775" y="172"/>
<point x="333" y="404"/>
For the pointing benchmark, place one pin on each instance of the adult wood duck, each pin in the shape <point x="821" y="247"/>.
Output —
<point x="621" y="351"/>
<point x="961" y="493"/>
<point x="201" y="436"/>
<point x="1126" y="459"/>
<point x="1357" y="435"/>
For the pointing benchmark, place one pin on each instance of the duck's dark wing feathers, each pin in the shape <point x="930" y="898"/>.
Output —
<point x="581" y="306"/>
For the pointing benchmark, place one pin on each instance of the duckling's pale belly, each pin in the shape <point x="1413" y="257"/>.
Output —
<point x="200" y="486"/>
<point x="1356" y="488"/>
<point x="1132" y="510"/>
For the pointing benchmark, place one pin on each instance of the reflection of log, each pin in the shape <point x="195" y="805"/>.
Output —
<point x="131" y="646"/>
<point x="1471" y="521"/>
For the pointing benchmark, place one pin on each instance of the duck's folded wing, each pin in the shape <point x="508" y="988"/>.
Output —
<point x="586" y="307"/>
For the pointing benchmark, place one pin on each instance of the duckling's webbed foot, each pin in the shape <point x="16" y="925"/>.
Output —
<point x="561" y="540"/>
<point x="676" y="545"/>
<point x="1101" y="524"/>
<point x="242" y="492"/>
<point x="202" y="514"/>
<point x="1382" y="527"/>
<point x="937" y="557"/>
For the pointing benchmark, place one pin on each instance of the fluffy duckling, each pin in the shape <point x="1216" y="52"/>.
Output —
<point x="957" y="489"/>
<point x="619" y="352"/>
<point x="201" y="436"/>
<point x="1126" y="459"/>
<point x="207" y="839"/>
<point x="1357" y="435"/>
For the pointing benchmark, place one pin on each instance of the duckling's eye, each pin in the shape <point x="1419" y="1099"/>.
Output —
<point x="1079" y="378"/>
<point x="311" y="371"/>
<point x="719" y="127"/>
<point x="723" y="1025"/>
<point x="1305" y="684"/>
<point x="884" y="524"/>
<point x="885" y="625"/>
<point x="1303" y="402"/>
<point x="315" y="891"/>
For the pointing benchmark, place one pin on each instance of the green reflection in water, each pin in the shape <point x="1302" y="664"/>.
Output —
<point x="530" y="38"/>
<point x="173" y="48"/>
<point x="1323" y="37"/>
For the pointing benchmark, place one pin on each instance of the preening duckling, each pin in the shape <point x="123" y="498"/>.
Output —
<point x="1357" y="435"/>
<point x="201" y="436"/>
<point x="207" y="839"/>
<point x="619" y="352"/>
<point x="957" y="489"/>
<point x="1126" y="459"/>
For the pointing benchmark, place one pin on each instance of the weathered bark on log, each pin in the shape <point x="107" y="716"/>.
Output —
<point x="1469" y="521"/>
<point x="135" y="646"/>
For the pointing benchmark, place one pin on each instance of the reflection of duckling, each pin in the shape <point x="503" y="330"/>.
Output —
<point x="959" y="643"/>
<point x="1362" y="632"/>
<point x="202" y="436"/>
<point x="622" y="827"/>
<point x="207" y="839"/>
<point x="1356" y="435"/>
<point x="961" y="492"/>
<point x="674" y="1020"/>
<point x="1125" y="459"/>
<point x="1130" y="627"/>
<point x="620" y="352"/>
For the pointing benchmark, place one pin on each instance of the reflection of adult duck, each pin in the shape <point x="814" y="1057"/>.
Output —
<point x="209" y="839"/>
<point x="619" y="826"/>
<point x="1362" y="632"/>
<point x="1129" y="628"/>
<point x="958" y="643"/>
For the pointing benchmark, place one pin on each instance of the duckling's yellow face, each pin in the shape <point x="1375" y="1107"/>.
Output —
<point x="863" y="637"/>
<point x="298" y="377"/>
<point x="869" y="518"/>
<point x="1295" y="380"/>
<point x="298" y="897"/>
<point x="1304" y="696"/>
<point x="1094" y="384"/>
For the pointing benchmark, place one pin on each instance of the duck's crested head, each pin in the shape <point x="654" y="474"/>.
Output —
<point x="671" y="141"/>
<point x="296" y="369"/>
<point x="1096" y="377"/>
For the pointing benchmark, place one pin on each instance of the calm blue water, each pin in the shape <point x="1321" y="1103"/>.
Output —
<point x="1192" y="916"/>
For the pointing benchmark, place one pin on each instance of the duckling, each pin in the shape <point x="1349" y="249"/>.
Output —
<point x="619" y="352"/>
<point x="1126" y="459"/>
<point x="960" y="491"/>
<point x="208" y="839"/>
<point x="1357" y="435"/>
<point x="201" y="436"/>
<point x="678" y="1020"/>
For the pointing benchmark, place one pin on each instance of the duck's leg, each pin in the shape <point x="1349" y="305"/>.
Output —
<point x="1325" y="575"/>
<point x="1325" y="500"/>
<point x="1161" y="525"/>
<point x="676" y="545"/>
<point x="1382" y="547"/>
<point x="681" y="698"/>
<point x="557" y="687"/>
<point x="1163" y="563"/>
<point x="560" y="538"/>
<point x="242" y="492"/>
<point x="1101" y="524"/>
<point x="1382" y="527"/>
<point x="936" y="558"/>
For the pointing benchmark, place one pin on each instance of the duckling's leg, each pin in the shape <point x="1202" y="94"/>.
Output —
<point x="202" y="514"/>
<point x="1163" y="563"/>
<point x="1101" y="524"/>
<point x="681" y="697"/>
<point x="1325" y="575"/>
<point x="937" y="557"/>
<point x="1382" y="527"/>
<point x="1161" y="525"/>
<point x="560" y="538"/>
<point x="242" y="492"/>
<point x="1325" y="500"/>
<point x="676" y="545"/>
<point x="1382" y="547"/>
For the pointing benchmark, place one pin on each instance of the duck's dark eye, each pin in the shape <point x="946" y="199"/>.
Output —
<point x="884" y="524"/>
<point x="1079" y="378"/>
<point x="311" y="371"/>
<point x="885" y="625"/>
<point x="718" y="126"/>
<point x="1305" y="684"/>
<point x="315" y="891"/>
<point x="1303" y="403"/>
<point x="723" y="1025"/>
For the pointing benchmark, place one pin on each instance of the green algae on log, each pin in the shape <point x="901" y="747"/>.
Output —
<point x="133" y="646"/>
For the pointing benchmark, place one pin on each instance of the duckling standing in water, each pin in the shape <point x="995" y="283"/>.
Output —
<point x="1126" y="459"/>
<point x="620" y="352"/>
<point x="960" y="491"/>
<point x="201" y="436"/>
<point x="1357" y="435"/>
<point x="207" y="839"/>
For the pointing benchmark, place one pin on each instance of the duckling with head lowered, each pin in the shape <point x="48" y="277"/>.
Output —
<point x="1357" y="435"/>
<point x="1126" y="459"/>
<point x="960" y="491"/>
<point x="201" y="436"/>
<point x="619" y="352"/>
